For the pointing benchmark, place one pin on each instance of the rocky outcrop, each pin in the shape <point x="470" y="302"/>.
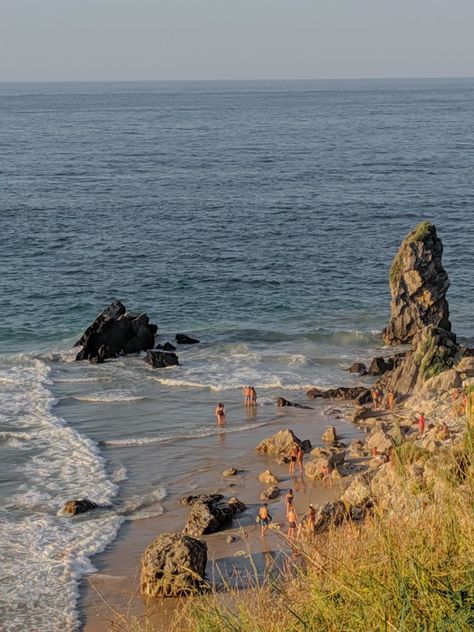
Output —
<point x="433" y="351"/>
<point x="74" y="507"/>
<point x="281" y="443"/>
<point x="360" y="394"/>
<point x="231" y="471"/>
<point x="115" y="331"/>
<point x="211" y="514"/>
<point x="379" y="366"/>
<point x="322" y="465"/>
<point x="166" y="347"/>
<point x="418" y="285"/>
<point x="173" y="565"/>
<point x="161" y="359"/>
<point x="184" y="339"/>
<point x="358" y="493"/>
<point x="329" y="435"/>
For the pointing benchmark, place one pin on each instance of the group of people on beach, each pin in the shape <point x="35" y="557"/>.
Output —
<point x="264" y="518"/>
<point x="378" y="397"/>
<point x="250" y="400"/>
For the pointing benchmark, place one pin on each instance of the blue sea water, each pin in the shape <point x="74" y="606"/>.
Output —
<point x="260" y="217"/>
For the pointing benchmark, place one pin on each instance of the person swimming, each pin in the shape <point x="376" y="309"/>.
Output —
<point x="220" y="414"/>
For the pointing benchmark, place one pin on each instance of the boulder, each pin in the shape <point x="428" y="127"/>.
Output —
<point x="268" y="478"/>
<point x="329" y="435"/>
<point x="190" y="499"/>
<point x="330" y="514"/>
<point x="74" y="507"/>
<point x="361" y="413"/>
<point x="358" y="367"/>
<point x="183" y="339"/>
<point x="282" y="403"/>
<point x="379" y="440"/>
<point x="358" y="493"/>
<point x="418" y="286"/>
<point x="270" y="493"/>
<point x="360" y="394"/>
<point x="173" y="565"/>
<point x="230" y="472"/>
<point x="207" y="516"/>
<point x="442" y="383"/>
<point x="281" y="443"/>
<point x="357" y="448"/>
<point x="161" y="359"/>
<point x="230" y="539"/>
<point x="115" y="331"/>
<point x="378" y="366"/>
<point x="316" y="468"/>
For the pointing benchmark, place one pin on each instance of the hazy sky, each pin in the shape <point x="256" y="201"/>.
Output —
<point x="234" y="39"/>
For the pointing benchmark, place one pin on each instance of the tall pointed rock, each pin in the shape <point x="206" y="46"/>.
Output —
<point x="418" y="284"/>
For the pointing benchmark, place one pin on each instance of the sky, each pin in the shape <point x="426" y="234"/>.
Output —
<point x="68" y="40"/>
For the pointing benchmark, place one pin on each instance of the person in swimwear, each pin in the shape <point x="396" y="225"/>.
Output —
<point x="246" y="393"/>
<point x="289" y="500"/>
<point x="292" y="522"/>
<point x="264" y="519"/>
<point x="253" y="396"/>
<point x="293" y="457"/>
<point x="220" y="414"/>
<point x="421" y="424"/>
<point x="299" y="459"/>
<point x="311" y="520"/>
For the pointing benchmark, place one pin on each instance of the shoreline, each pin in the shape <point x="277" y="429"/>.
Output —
<point x="118" y="568"/>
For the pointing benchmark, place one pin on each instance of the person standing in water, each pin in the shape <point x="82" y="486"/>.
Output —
<point x="264" y="519"/>
<point x="289" y="500"/>
<point x="292" y="521"/>
<point x="299" y="459"/>
<point x="253" y="396"/>
<point x="247" y="395"/>
<point x="220" y="414"/>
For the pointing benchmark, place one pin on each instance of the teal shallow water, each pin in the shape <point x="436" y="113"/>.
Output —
<point x="260" y="217"/>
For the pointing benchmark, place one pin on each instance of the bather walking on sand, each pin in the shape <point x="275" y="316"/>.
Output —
<point x="220" y="414"/>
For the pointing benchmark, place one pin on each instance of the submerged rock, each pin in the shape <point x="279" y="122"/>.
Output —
<point x="329" y="435"/>
<point x="282" y="403"/>
<point x="281" y="443"/>
<point x="173" y="565"/>
<point x="418" y="285"/>
<point x="115" y="331"/>
<point x="209" y="515"/>
<point x="184" y="339"/>
<point x="74" y="507"/>
<point x="358" y="367"/>
<point x="161" y="359"/>
<point x="230" y="472"/>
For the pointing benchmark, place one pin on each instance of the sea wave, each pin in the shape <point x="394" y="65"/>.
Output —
<point x="44" y="555"/>
<point x="107" y="397"/>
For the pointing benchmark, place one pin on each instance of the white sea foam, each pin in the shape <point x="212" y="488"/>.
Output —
<point x="119" y="474"/>
<point x="108" y="397"/>
<point x="74" y="380"/>
<point x="199" y="434"/>
<point x="44" y="556"/>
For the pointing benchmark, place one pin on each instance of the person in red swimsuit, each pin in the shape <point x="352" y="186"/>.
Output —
<point x="421" y="424"/>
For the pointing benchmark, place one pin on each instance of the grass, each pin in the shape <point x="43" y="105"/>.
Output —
<point x="409" y="567"/>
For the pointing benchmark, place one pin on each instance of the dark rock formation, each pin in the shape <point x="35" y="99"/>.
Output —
<point x="173" y="565"/>
<point x="183" y="339"/>
<point x="169" y="347"/>
<point x="358" y="367"/>
<point x="360" y="394"/>
<point x="282" y="402"/>
<point x="161" y="359"/>
<point x="74" y="507"/>
<point x="270" y="493"/>
<point x="115" y="331"/>
<point x="190" y="499"/>
<point x="418" y="285"/>
<point x="211" y="514"/>
<point x="281" y="443"/>
<point x="379" y="366"/>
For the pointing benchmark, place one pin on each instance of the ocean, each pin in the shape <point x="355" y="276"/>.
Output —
<point x="259" y="217"/>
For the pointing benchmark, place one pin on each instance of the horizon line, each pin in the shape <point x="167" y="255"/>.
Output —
<point x="229" y="80"/>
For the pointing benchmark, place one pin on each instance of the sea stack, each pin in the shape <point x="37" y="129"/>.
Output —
<point x="418" y="285"/>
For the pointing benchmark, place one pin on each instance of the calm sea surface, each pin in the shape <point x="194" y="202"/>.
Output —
<point x="260" y="217"/>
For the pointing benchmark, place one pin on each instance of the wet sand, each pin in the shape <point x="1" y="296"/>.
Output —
<point x="117" y="579"/>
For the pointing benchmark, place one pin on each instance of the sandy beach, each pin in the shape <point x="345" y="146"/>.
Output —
<point x="117" y="579"/>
